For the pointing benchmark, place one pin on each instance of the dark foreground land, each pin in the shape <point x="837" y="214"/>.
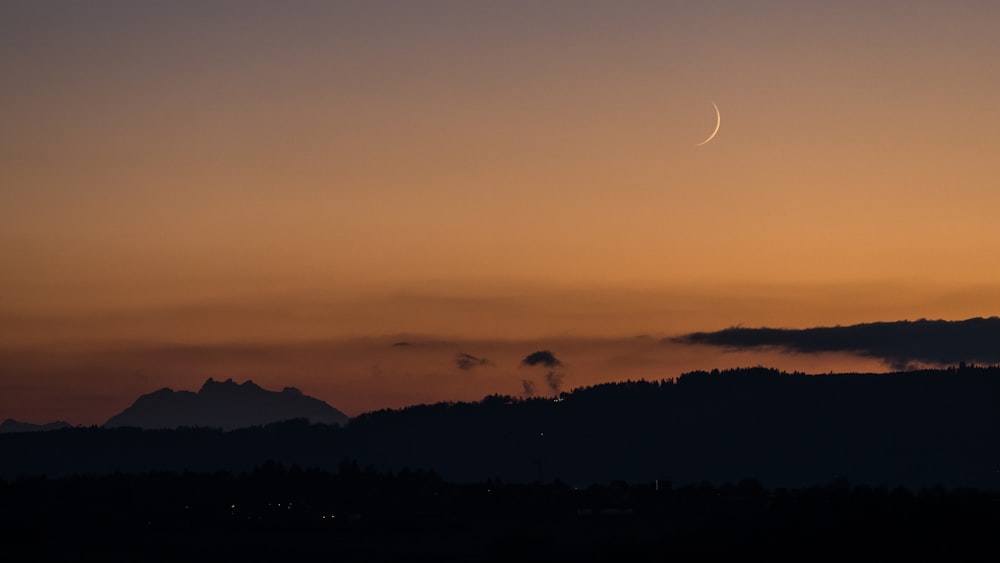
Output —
<point x="844" y="467"/>
<point x="913" y="429"/>
<point x="274" y="513"/>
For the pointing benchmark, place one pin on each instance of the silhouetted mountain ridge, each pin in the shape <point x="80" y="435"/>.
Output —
<point x="918" y="428"/>
<point x="226" y="405"/>
<point x="10" y="425"/>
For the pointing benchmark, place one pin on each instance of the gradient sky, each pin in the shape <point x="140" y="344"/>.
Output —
<point x="288" y="176"/>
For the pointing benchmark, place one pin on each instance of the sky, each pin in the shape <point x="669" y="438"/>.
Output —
<point x="282" y="190"/>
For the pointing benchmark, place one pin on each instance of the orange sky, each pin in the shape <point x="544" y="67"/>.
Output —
<point x="298" y="171"/>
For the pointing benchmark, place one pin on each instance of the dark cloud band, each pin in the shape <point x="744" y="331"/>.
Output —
<point x="900" y="343"/>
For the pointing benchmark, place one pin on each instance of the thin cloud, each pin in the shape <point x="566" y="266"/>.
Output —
<point x="544" y="358"/>
<point x="528" y="387"/>
<point x="541" y="358"/>
<point x="468" y="362"/>
<point x="554" y="379"/>
<point x="900" y="344"/>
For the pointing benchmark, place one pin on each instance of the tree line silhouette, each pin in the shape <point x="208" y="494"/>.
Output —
<point x="914" y="429"/>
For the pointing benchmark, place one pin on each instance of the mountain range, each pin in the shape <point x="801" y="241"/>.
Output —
<point x="11" y="426"/>
<point x="224" y="404"/>
<point x="915" y="429"/>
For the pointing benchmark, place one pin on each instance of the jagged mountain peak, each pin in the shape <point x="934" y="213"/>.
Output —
<point x="224" y="404"/>
<point x="211" y="385"/>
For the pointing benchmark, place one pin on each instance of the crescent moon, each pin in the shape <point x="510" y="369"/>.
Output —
<point x="718" y="121"/>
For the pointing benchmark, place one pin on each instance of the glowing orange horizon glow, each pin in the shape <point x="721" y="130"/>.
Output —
<point x="203" y="175"/>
